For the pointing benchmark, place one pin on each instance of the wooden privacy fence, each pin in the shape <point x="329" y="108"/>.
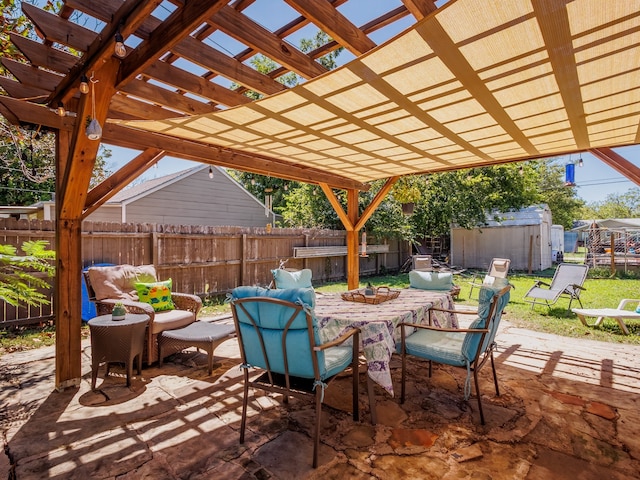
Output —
<point x="207" y="261"/>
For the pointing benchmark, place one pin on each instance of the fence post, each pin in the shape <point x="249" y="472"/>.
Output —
<point x="243" y="258"/>
<point x="613" y="253"/>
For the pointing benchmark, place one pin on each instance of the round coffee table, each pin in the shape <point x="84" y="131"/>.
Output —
<point x="118" y="341"/>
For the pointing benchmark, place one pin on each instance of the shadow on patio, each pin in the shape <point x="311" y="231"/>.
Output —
<point x="569" y="409"/>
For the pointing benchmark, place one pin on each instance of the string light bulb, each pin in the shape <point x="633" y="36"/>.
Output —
<point x="60" y="111"/>
<point x="84" y="84"/>
<point x="93" y="130"/>
<point x="580" y="162"/>
<point x="210" y="172"/>
<point x="120" y="49"/>
<point x="521" y="170"/>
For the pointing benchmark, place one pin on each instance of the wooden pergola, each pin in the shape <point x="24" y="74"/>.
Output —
<point x="169" y="71"/>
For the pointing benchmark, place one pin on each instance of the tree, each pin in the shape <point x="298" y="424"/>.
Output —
<point x="27" y="164"/>
<point x="18" y="284"/>
<point x="615" y="205"/>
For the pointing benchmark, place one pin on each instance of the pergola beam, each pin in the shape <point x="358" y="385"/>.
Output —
<point x="97" y="196"/>
<point x="618" y="163"/>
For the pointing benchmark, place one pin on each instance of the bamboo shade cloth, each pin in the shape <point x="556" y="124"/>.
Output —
<point x="474" y="83"/>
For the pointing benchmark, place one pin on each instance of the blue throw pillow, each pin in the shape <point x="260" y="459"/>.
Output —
<point x="440" y="281"/>
<point x="297" y="279"/>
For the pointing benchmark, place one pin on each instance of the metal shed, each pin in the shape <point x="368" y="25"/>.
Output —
<point x="523" y="236"/>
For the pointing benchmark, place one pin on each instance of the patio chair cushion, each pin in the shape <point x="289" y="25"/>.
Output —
<point x="442" y="347"/>
<point x="118" y="282"/>
<point x="156" y="294"/>
<point x="270" y="319"/>
<point x="171" y="319"/>
<point x="440" y="281"/>
<point x="292" y="279"/>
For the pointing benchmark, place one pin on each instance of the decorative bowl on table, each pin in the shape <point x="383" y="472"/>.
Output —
<point x="372" y="295"/>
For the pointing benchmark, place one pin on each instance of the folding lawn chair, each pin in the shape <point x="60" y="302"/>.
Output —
<point x="567" y="282"/>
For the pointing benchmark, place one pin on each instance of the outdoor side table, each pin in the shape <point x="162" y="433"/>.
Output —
<point x="201" y="334"/>
<point x="118" y="341"/>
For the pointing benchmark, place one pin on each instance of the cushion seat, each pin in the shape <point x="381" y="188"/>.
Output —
<point x="441" y="347"/>
<point x="171" y="319"/>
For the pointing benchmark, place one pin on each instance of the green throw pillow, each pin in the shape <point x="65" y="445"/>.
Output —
<point x="157" y="294"/>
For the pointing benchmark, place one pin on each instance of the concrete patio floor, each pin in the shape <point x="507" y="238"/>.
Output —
<point x="569" y="409"/>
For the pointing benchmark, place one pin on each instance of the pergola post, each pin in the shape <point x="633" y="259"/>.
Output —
<point x="75" y="158"/>
<point x="353" y="258"/>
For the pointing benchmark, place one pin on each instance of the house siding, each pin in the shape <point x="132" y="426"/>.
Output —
<point x="199" y="200"/>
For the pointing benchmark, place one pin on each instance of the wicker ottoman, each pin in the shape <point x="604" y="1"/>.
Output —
<point x="203" y="335"/>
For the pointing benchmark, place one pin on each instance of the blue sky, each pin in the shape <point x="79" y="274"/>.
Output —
<point x="594" y="180"/>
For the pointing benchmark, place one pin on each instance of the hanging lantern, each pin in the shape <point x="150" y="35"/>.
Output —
<point x="268" y="201"/>
<point x="569" y="175"/>
<point x="363" y="247"/>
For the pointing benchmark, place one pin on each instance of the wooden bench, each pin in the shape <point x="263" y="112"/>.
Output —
<point x="333" y="251"/>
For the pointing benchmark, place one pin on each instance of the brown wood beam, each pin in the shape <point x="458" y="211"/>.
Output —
<point x="326" y="17"/>
<point x="127" y="137"/>
<point x="375" y="203"/>
<point x="73" y="190"/>
<point x="335" y="203"/>
<point x="178" y="26"/>
<point x="41" y="55"/>
<point x="241" y="28"/>
<point x="67" y="295"/>
<point x="211" y="154"/>
<point x="211" y="59"/>
<point x="97" y="196"/>
<point x="178" y="78"/>
<point x="618" y="163"/>
<point x="126" y="20"/>
<point x="353" y="257"/>
<point x="420" y="8"/>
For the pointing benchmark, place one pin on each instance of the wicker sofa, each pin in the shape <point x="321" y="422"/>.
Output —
<point x="108" y="285"/>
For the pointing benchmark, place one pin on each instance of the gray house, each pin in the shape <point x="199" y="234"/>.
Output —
<point x="188" y="197"/>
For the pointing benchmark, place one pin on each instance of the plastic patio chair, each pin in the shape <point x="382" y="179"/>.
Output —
<point x="423" y="263"/>
<point x="467" y="348"/>
<point x="278" y="333"/>
<point x="499" y="268"/>
<point x="567" y="282"/>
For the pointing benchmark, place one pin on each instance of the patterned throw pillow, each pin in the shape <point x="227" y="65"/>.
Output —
<point x="157" y="294"/>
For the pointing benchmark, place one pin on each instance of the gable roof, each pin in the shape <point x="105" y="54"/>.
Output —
<point x="147" y="187"/>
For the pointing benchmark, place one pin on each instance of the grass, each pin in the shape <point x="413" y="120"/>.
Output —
<point x="600" y="292"/>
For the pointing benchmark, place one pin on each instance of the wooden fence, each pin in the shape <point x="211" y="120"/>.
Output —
<point x="207" y="261"/>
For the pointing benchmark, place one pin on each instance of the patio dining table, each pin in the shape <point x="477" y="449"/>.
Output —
<point x="378" y="324"/>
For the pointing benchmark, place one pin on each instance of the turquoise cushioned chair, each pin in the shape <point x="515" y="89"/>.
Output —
<point x="468" y="348"/>
<point x="278" y="332"/>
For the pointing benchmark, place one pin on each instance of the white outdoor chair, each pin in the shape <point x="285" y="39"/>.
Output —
<point x="566" y="282"/>
<point x="499" y="268"/>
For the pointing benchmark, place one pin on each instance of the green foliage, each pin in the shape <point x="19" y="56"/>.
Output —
<point x="27" y="164"/>
<point x="615" y="205"/>
<point x="18" y="282"/>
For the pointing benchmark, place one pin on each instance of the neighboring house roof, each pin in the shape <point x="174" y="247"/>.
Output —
<point x="134" y="192"/>
<point x="611" y="223"/>
<point x="148" y="187"/>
